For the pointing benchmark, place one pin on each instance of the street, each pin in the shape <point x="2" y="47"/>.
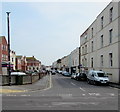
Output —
<point x="64" y="93"/>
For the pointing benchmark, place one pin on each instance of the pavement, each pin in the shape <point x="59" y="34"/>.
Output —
<point x="41" y="84"/>
<point x="115" y="85"/>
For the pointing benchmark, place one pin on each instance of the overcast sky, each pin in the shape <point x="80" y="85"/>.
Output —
<point x="48" y="30"/>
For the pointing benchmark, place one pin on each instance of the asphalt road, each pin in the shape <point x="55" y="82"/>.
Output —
<point x="64" y="94"/>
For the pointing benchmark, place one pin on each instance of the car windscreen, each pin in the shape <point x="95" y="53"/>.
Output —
<point x="101" y="74"/>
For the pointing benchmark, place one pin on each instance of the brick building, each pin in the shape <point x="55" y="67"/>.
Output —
<point x="21" y="63"/>
<point x="3" y="53"/>
<point x="33" y="64"/>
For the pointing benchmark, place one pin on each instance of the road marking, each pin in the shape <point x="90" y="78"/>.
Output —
<point x="82" y="89"/>
<point x="74" y="103"/>
<point x="94" y="94"/>
<point x="11" y="95"/>
<point x="11" y="91"/>
<point x="83" y="94"/>
<point x="65" y="95"/>
<point x="111" y="94"/>
<point x="73" y="84"/>
<point x="25" y="95"/>
<point x="50" y="83"/>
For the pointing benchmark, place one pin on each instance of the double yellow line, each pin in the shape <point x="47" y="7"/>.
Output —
<point x="10" y="91"/>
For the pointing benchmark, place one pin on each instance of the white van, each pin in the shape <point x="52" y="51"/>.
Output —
<point x="97" y="77"/>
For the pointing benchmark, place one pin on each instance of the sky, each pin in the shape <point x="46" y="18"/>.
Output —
<point x="48" y="30"/>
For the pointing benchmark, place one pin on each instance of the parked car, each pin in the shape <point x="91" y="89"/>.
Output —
<point x="53" y="72"/>
<point x="66" y="74"/>
<point x="60" y="72"/>
<point x="63" y="72"/>
<point x="18" y="73"/>
<point x="73" y="76"/>
<point x="81" y="76"/>
<point x="97" y="77"/>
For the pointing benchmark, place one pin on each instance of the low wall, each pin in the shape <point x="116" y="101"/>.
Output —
<point x="19" y="80"/>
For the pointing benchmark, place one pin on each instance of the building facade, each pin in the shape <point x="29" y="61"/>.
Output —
<point x="13" y="59"/>
<point x="21" y="63"/>
<point x="69" y="63"/>
<point x="33" y="64"/>
<point x="100" y="43"/>
<point x="3" y="54"/>
<point x="74" y="60"/>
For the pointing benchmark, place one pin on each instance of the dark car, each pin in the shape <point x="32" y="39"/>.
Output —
<point x="81" y="76"/>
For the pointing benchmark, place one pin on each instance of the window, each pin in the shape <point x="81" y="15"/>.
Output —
<point x="2" y="47"/>
<point x="82" y="50"/>
<point x="83" y="62"/>
<point x="101" y="40"/>
<point x="12" y="59"/>
<point x="110" y="59"/>
<point x="92" y="32"/>
<point x="92" y="62"/>
<point x="85" y="38"/>
<point x="92" y="46"/>
<point x="110" y="35"/>
<point x="86" y="62"/>
<point x="85" y="48"/>
<point x="111" y="14"/>
<point x="101" y="60"/>
<point x="102" y="22"/>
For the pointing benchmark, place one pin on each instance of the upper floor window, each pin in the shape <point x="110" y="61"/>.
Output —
<point x="92" y="62"/>
<point x="92" y="32"/>
<point x="82" y="50"/>
<point x="111" y="14"/>
<point x="92" y="46"/>
<point x="85" y="48"/>
<point x="110" y="59"/>
<point x="110" y="35"/>
<point x="85" y="38"/>
<point x="102" y="19"/>
<point x="101" y="40"/>
<point x="101" y="60"/>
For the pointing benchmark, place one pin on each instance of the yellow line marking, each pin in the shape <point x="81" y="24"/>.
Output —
<point x="11" y="91"/>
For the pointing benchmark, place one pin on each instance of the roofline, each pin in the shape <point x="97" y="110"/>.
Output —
<point x="95" y="19"/>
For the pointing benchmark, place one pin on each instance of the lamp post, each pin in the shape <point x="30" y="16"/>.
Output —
<point x="9" y="66"/>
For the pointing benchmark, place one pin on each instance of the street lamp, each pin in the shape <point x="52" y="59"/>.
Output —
<point x="9" y="67"/>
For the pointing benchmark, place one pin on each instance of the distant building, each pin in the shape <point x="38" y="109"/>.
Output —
<point x="21" y="63"/>
<point x="68" y="63"/>
<point x="13" y="59"/>
<point x="100" y="43"/>
<point x="74" y="60"/>
<point x="33" y="64"/>
<point x="3" y="55"/>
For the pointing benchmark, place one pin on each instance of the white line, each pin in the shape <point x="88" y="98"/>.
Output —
<point x="73" y="84"/>
<point x="82" y="89"/>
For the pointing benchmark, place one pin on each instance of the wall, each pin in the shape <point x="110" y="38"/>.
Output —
<point x="19" y="80"/>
